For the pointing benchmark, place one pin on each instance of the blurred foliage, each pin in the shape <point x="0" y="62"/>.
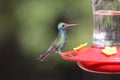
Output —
<point x="38" y="23"/>
<point x="27" y="29"/>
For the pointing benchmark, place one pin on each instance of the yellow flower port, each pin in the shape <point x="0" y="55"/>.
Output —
<point x="109" y="50"/>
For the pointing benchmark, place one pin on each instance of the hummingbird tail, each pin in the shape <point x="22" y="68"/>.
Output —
<point x="47" y="54"/>
<point x="44" y="56"/>
<point x="50" y="51"/>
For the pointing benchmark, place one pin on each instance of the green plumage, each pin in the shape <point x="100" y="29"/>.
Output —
<point x="58" y="43"/>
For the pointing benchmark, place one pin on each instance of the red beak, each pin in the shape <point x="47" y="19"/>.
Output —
<point x="67" y="25"/>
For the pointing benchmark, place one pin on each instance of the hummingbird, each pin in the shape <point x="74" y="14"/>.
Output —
<point x="59" y="42"/>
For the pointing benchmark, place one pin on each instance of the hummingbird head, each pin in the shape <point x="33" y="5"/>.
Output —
<point x="63" y="26"/>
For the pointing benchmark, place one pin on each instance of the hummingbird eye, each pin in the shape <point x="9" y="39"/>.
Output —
<point x="63" y="25"/>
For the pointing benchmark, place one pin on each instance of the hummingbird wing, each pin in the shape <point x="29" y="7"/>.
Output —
<point x="53" y="48"/>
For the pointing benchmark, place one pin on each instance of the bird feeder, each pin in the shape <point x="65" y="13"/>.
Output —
<point x="104" y="55"/>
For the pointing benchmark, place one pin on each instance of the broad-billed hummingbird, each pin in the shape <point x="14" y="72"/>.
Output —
<point x="59" y="42"/>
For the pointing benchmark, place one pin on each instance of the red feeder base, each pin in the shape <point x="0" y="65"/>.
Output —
<point x="93" y="60"/>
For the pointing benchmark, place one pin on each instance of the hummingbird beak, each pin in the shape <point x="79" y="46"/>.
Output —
<point x="68" y="25"/>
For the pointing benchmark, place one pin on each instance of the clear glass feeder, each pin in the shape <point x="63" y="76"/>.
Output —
<point x="106" y="39"/>
<point x="106" y="22"/>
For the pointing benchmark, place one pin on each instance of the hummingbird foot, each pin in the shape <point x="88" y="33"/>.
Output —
<point x="59" y="52"/>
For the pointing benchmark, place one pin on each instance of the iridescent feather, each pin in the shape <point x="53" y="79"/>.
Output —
<point x="58" y="43"/>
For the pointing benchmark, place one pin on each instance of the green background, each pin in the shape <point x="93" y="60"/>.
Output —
<point x="27" y="29"/>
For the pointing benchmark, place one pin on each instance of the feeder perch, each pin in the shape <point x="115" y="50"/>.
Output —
<point x="104" y="55"/>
